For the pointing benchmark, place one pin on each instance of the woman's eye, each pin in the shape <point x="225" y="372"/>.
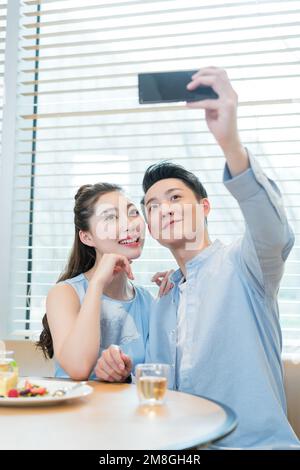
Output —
<point x="133" y="213"/>
<point x="175" y="197"/>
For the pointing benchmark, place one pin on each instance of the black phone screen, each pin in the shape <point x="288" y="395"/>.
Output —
<point x="161" y="87"/>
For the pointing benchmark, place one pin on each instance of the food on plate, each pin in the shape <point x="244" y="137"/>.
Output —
<point x="28" y="390"/>
<point x="9" y="374"/>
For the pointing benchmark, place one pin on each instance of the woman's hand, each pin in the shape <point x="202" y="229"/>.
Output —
<point x="161" y="279"/>
<point x="113" y="365"/>
<point x="110" y="265"/>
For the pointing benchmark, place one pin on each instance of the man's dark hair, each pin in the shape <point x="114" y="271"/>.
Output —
<point x="163" y="170"/>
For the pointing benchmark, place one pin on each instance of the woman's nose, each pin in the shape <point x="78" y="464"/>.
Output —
<point x="135" y="226"/>
<point x="130" y="226"/>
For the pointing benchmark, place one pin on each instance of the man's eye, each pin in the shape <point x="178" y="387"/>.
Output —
<point x="111" y="217"/>
<point x="153" y="207"/>
<point x="174" y="197"/>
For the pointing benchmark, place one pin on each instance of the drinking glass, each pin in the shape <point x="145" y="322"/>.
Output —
<point x="152" y="383"/>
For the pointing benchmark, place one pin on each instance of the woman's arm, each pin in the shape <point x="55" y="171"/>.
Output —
<point x="75" y="328"/>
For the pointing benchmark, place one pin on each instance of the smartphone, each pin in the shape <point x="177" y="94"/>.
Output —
<point x="167" y="87"/>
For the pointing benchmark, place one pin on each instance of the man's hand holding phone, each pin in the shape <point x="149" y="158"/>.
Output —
<point x="221" y="115"/>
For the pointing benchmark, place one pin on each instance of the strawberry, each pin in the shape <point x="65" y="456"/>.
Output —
<point x="13" y="393"/>
<point x="38" y="390"/>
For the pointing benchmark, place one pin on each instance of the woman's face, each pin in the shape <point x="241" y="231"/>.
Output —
<point x="116" y="226"/>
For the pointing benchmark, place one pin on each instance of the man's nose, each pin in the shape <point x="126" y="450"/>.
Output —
<point x="166" y="210"/>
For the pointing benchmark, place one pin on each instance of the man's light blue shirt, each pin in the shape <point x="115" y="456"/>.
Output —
<point x="232" y="353"/>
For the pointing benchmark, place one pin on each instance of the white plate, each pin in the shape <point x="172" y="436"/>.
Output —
<point x="81" y="390"/>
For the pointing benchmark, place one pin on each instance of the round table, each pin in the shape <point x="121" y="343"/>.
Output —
<point x="111" y="418"/>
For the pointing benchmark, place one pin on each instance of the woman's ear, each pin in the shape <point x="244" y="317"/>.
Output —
<point x="86" y="238"/>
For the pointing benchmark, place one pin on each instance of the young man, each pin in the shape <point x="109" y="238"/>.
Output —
<point x="219" y="326"/>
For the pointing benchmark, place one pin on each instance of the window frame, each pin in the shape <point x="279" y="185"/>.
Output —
<point x="9" y="146"/>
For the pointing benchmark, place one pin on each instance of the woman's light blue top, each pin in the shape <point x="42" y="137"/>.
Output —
<point x="123" y="322"/>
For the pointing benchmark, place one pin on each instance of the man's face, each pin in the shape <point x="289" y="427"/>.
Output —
<point x="175" y="217"/>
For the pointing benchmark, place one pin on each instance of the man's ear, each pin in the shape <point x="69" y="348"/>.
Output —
<point x="86" y="238"/>
<point x="206" y="206"/>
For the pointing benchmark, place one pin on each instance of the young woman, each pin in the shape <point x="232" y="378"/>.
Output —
<point x="94" y="304"/>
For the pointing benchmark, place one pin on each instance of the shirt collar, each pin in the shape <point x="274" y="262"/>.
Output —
<point x="176" y="276"/>
<point x="200" y="258"/>
<point x="204" y="254"/>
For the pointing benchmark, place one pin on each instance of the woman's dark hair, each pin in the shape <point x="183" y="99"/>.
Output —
<point x="163" y="170"/>
<point x="82" y="257"/>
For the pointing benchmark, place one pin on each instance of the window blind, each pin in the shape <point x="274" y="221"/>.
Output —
<point x="3" y="6"/>
<point x="79" y="122"/>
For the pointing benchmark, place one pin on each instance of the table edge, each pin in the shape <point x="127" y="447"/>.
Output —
<point x="227" y="428"/>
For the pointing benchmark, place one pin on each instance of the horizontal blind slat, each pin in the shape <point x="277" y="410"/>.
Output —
<point x="134" y="3"/>
<point x="162" y="35"/>
<point x="152" y="48"/>
<point x="163" y="24"/>
<point x="167" y="59"/>
<point x="172" y="21"/>
<point x="167" y="11"/>
<point x="147" y="109"/>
